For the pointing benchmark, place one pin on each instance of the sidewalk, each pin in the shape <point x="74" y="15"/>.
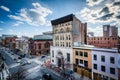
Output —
<point x="78" y="77"/>
<point x="57" y="70"/>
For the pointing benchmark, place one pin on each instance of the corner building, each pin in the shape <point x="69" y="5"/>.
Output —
<point x="66" y="31"/>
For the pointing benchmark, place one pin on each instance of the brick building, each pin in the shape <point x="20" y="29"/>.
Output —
<point x="9" y="41"/>
<point x="40" y="44"/>
<point x="110" y="31"/>
<point x="103" y="42"/>
<point x="109" y="39"/>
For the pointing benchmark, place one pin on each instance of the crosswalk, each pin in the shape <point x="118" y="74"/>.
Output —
<point x="14" y="65"/>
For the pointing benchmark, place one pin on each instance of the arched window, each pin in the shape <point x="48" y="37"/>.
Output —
<point x="61" y="30"/>
<point x="47" y="45"/>
<point x="56" y="31"/>
<point x="67" y="29"/>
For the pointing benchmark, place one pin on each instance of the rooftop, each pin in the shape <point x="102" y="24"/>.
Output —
<point x="4" y="36"/>
<point x="42" y="37"/>
<point x="91" y="47"/>
<point x="62" y="19"/>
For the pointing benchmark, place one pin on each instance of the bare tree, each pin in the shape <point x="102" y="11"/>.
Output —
<point x="18" y="75"/>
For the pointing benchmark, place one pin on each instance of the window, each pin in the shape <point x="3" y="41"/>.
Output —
<point x="81" y="53"/>
<point x="67" y="29"/>
<point x="75" y="69"/>
<point x="47" y="45"/>
<point x="69" y="44"/>
<point x="103" y="68"/>
<point x="103" y="58"/>
<point x="62" y="30"/>
<point x="52" y="60"/>
<point x="85" y="63"/>
<point x="76" y="52"/>
<point x="68" y="57"/>
<point x="112" y="70"/>
<point x="76" y="61"/>
<point x="112" y="60"/>
<point x="40" y="52"/>
<point x="95" y="57"/>
<point x="39" y="46"/>
<point x="85" y="54"/>
<point x="66" y="44"/>
<point x="69" y="37"/>
<point x="52" y="53"/>
<point x="95" y="66"/>
<point x="81" y="61"/>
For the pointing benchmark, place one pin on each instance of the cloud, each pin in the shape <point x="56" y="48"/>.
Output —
<point x="1" y="29"/>
<point x="5" y="8"/>
<point x="11" y="30"/>
<point x="93" y="2"/>
<point x="17" y="23"/>
<point x="1" y="22"/>
<point x="35" y="16"/>
<point x="107" y="13"/>
<point x="98" y="31"/>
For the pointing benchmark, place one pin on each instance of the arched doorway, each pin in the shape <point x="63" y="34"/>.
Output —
<point x="59" y="59"/>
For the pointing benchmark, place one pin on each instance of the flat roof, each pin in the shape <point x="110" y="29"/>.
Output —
<point x="62" y="19"/>
<point x="42" y="37"/>
<point x="97" y="49"/>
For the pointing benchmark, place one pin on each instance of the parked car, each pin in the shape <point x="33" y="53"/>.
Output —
<point x="47" y="76"/>
<point x="18" y="61"/>
<point x="15" y="59"/>
<point x="12" y="53"/>
<point x="19" y="58"/>
<point x="24" y="62"/>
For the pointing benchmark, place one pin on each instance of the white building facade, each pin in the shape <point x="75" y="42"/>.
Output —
<point x="22" y="44"/>
<point x="104" y="64"/>
<point x="66" y="31"/>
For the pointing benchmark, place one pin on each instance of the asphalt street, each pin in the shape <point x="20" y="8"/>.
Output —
<point x="34" y="70"/>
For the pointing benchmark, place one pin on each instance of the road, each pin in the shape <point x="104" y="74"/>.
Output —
<point x="34" y="70"/>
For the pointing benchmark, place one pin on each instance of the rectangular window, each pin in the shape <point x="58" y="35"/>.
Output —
<point x="76" y="52"/>
<point x="103" y="68"/>
<point x="52" y="53"/>
<point x="85" y="63"/>
<point x="112" y="70"/>
<point x="95" y="66"/>
<point x="76" y="60"/>
<point x="112" y="60"/>
<point x="81" y="53"/>
<point x="39" y="46"/>
<point x="103" y="58"/>
<point x="68" y="57"/>
<point x="95" y="57"/>
<point x="85" y="54"/>
<point x="81" y="61"/>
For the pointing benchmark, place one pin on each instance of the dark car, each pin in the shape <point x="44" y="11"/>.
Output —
<point x="42" y="56"/>
<point x="47" y="76"/>
<point x="19" y="58"/>
<point x="15" y="59"/>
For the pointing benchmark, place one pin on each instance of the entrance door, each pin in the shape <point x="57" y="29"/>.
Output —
<point x="59" y="62"/>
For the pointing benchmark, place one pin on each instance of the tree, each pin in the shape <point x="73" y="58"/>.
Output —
<point x="18" y="75"/>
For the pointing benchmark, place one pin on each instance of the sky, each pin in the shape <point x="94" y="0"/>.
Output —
<point x="33" y="17"/>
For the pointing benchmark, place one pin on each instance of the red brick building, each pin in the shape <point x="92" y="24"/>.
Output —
<point x="9" y="41"/>
<point x="40" y="44"/>
<point x="103" y="42"/>
<point x="110" y="31"/>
